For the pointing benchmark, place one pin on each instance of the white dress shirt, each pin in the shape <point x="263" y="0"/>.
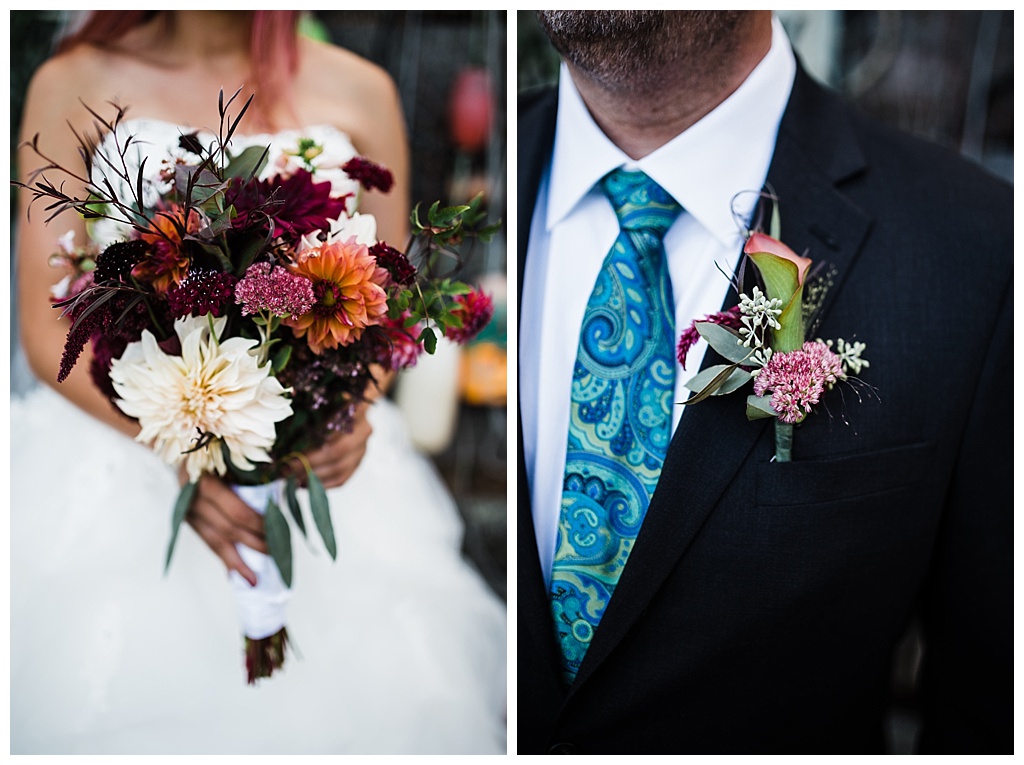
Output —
<point x="706" y="169"/>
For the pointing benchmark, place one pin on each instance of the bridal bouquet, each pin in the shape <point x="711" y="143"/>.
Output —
<point x="240" y="319"/>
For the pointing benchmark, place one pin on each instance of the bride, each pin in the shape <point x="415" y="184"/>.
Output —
<point x="398" y="646"/>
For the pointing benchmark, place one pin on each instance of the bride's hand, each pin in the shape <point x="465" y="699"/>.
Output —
<point x="336" y="461"/>
<point x="221" y="519"/>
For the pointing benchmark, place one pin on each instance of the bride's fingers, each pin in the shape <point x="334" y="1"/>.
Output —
<point x="218" y="525"/>
<point x="223" y="507"/>
<point x="223" y="548"/>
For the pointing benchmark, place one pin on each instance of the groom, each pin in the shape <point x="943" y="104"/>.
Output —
<point x="759" y="605"/>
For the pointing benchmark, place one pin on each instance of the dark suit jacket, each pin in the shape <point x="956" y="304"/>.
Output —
<point x="759" y="609"/>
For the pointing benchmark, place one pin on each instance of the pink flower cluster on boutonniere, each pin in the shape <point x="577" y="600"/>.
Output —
<point x="764" y="339"/>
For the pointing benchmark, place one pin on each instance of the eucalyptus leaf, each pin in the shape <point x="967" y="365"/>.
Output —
<point x="716" y="382"/>
<point x="181" y="507"/>
<point x="734" y="382"/>
<point x="759" y="407"/>
<point x="394" y="309"/>
<point x="321" y="512"/>
<point x="292" y="500"/>
<point x="279" y="540"/>
<point x="700" y="380"/>
<point x="726" y="342"/>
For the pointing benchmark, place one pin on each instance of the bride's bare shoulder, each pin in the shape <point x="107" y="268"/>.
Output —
<point x="339" y="66"/>
<point x="359" y="90"/>
<point x="65" y="84"/>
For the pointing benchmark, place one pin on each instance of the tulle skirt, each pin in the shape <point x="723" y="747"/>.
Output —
<point x="399" y="645"/>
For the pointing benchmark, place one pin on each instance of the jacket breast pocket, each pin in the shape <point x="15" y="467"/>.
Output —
<point x="853" y="516"/>
<point x="855" y="477"/>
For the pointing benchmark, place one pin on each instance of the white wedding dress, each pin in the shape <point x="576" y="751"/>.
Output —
<point x="399" y="645"/>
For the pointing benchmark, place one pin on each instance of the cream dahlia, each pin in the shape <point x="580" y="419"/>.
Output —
<point x="213" y="395"/>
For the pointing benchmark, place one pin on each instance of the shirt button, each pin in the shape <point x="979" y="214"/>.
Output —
<point x="563" y="748"/>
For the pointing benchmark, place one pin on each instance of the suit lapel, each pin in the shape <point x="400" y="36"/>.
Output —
<point x="536" y="128"/>
<point x="814" y="153"/>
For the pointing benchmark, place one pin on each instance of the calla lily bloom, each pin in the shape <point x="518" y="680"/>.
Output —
<point x="763" y="243"/>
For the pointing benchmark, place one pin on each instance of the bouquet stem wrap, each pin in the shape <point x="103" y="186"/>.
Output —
<point x="261" y="609"/>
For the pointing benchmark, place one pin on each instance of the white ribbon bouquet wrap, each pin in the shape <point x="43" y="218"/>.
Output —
<point x="261" y="609"/>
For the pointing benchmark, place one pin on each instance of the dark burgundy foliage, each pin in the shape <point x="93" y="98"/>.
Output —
<point x="190" y="142"/>
<point x="122" y="316"/>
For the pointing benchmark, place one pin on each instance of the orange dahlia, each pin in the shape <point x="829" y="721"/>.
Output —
<point x="168" y="260"/>
<point x="347" y="284"/>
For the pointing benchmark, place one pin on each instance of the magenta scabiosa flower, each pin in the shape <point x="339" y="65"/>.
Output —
<point x="475" y="309"/>
<point x="394" y="262"/>
<point x="200" y="293"/>
<point x="369" y="174"/>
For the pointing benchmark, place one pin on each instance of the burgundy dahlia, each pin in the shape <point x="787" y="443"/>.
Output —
<point x="295" y="205"/>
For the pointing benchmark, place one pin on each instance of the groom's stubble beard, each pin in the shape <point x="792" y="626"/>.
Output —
<point x="635" y="51"/>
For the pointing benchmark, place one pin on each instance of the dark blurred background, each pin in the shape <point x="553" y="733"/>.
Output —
<point x="946" y="76"/>
<point x="450" y="67"/>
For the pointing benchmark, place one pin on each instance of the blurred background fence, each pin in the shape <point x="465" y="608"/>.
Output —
<point x="943" y="75"/>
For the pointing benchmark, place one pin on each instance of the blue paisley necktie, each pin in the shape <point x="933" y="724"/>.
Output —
<point x="620" y="415"/>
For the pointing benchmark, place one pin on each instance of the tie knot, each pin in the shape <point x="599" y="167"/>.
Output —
<point x="639" y="202"/>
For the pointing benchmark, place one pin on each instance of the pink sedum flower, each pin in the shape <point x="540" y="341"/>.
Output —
<point x="266" y="287"/>
<point x="797" y="379"/>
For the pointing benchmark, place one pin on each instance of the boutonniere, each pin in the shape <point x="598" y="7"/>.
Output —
<point x="764" y="340"/>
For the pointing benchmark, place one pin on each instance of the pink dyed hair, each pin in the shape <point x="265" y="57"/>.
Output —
<point x="273" y="45"/>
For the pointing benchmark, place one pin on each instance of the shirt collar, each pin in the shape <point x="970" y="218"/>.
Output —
<point x="704" y="168"/>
